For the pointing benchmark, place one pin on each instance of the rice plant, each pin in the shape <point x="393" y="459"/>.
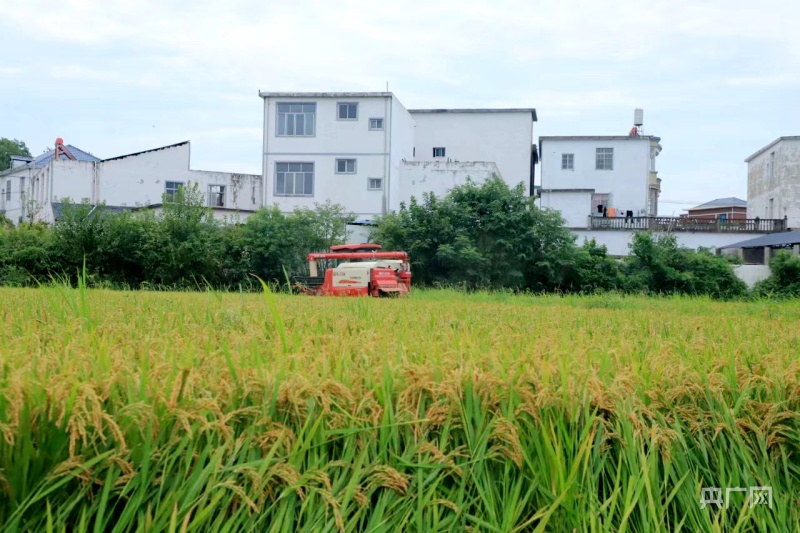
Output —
<point x="150" y="412"/>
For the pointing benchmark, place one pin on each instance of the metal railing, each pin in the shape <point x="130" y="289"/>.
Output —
<point x="750" y="225"/>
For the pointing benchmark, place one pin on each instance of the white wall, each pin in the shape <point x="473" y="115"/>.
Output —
<point x="139" y="180"/>
<point x="334" y="139"/>
<point x="627" y="184"/>
<point x="13" y="181"/>
<point x="402" y="148"/>
<point x="571" y="205"/>
<point x="504" y="138"/>
<point x="782" y="185"/>
<point x="438" y="177"/>
<point x="617" y="240"/>
<point x="751" y="274"/>
<point x="224" y="215"/>
<point x="73" y="180"/>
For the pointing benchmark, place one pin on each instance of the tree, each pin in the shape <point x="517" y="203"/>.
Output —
<point x="9" y="147"/>
<point x="481" y="236"/>
<point x="784" y="280"/>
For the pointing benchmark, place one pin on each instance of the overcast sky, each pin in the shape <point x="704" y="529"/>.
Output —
<point x="717" y="79"/>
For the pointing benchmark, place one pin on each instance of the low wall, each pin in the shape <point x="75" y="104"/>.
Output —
<point x="751" y="274"/>
<point x="617" y="241"/>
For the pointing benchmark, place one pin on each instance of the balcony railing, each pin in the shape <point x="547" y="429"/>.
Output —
<point x="750" y="225"/>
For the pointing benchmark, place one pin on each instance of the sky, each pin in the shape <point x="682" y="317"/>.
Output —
<point x="717" y="80"/>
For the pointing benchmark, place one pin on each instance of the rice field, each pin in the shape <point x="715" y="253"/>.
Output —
<point x="162" y="412"/>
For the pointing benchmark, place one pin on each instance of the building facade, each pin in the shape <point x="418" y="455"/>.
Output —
<point x="368" y="153"/>
<point x="773" y="181"/>
<point x="599" y="176"/>
<point x="33" y="189"/>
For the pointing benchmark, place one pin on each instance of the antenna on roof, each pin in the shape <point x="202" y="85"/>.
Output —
<point x="387" y="86"/>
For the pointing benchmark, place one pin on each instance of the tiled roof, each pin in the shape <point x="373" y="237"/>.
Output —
<point x="79" y="154"/>
<point x="722" y="202"/>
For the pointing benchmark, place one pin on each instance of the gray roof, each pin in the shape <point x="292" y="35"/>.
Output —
<point x="786" y="238"/>
<point x="770" y="145"/>
<point x="722" y="202"/>
<point x="530" y="110"/>
<point x="79" y="154"/>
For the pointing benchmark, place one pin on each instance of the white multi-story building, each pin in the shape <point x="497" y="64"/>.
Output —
<point x="34" y="188"/>
<point x="368" y="153"/>
<point x="585" y="177"/>
<point x="606" y="188"/>
<point x="773" y="181"/>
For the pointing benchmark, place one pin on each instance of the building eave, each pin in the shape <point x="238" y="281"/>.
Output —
<point x="599" y="138"/>
<point x="264" y="94"/>
<point x="529" y="110"/>
<point x="770" y="145"/>
<point x="145" y="151"/>
<point x="226" y="209"/>
<point x="566" y="190"/>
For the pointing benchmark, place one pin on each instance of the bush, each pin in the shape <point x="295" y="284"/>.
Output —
<point x="657" y="265"/>
<point x="784" y="280"/>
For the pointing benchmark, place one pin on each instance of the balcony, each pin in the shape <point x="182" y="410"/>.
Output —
<point x="655" y="181"/>
<point x="665" y="224"/>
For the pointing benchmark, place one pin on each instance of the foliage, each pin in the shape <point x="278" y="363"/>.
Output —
<point x="488" y="412"/>
<point x="9" y="147"/>
<point x="490" y="236"/>
<point x="480" y="236"/>
<point x="784" y="280"/>
<point x="657" y="265"/>
<point x="182" y="247"/>
<point x="592" y="270"/>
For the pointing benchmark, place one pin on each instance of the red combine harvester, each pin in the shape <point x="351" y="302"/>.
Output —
<point x="362" y="270"/>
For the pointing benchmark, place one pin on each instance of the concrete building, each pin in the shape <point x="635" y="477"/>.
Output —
<point x="369" y="153"/>
<point x="773" y="181"/>
<point x="599" y="176"/>
<point x="607" y="188"/>
<point x="34" y="189"/>
<point x="721" y="208"/>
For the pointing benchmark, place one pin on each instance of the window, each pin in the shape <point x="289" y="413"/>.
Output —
<point x="216" y="196"/>
<point x="345" y="166"/>
<point x="604" y="159"/>
<point x="438" y="152"/>
<point x="171" y="189"/>
<point x="376" y="124"/>
<point x="347" y="111"/>
<point x="567" y="161"/>
<point x="296" y="120"/>
<point x="8" y="191"/>
<point x="294" y="179"/>
<point x="771" y="165"/>
<point x="375" y="184"/>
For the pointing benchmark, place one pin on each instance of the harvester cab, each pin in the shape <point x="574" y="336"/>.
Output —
<point x="360" y="270"/>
